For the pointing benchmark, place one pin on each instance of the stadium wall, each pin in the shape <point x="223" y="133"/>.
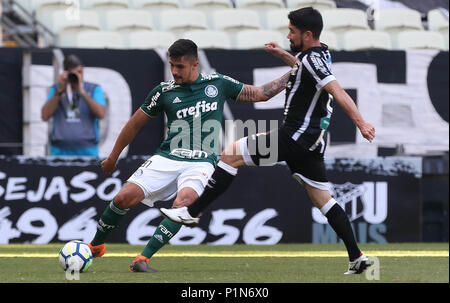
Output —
<point x="382" y="197"/>
<point x="389" y="199"/>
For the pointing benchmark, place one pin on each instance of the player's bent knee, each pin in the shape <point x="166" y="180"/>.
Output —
<point x="228" y="159"/>
<point x="128" y="198"/>
<point x="185" y="197"/>
<point x="232" y="160"/>
<point x="123" y="201"/>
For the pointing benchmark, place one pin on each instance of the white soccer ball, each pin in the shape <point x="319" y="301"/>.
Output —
<point x="75" y="256"/>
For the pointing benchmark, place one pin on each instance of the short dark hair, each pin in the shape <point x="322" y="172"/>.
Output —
<point x="183" y="47"/>
<point x="307" y="19"/>
<point x="71" y="61"/>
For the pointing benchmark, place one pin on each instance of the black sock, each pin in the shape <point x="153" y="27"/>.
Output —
<point x="217" y="184"/>
<point x="338" y="220"/>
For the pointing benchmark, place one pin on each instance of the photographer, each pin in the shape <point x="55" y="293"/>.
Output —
<point x="75" y="106"/>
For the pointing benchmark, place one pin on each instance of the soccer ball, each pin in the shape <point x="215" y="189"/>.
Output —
<point x="75" y="256"/>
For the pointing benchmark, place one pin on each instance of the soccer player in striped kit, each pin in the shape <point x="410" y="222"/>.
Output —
<point x="301" y="139"/>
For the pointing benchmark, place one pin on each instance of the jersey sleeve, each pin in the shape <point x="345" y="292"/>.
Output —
<point x="51" y="92"/>
<point x="318" y="69"/>
<point x="153" y="103"/>
<point x="232" y="87"/>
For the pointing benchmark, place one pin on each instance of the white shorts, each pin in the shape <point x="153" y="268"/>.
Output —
<point x="161" y="178"/>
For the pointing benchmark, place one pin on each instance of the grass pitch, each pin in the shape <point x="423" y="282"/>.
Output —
<point x="282" y="263"/>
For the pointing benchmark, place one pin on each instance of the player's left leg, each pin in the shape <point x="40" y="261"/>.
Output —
<point x="165" y="231"/>
<point x="338" y="220"/>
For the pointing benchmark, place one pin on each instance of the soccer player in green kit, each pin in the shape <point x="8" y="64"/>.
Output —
<point x="193" y="103"/>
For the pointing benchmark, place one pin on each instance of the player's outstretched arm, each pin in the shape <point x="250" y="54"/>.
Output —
<point x="251" y="93"/>
<point x="349" y="106"/>
<point x="126" y="135"/>
<point x="276" y="50"/>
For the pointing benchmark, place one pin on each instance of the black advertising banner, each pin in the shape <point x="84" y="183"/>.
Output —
<point x="10" y="101"/>
<point x="46" y="200"/>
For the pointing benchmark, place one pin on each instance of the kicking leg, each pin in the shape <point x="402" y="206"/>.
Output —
<point x="163" y="233"/>
<point x="129" y="196"/>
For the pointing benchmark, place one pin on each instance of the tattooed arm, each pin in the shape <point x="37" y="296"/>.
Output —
<point x="251" y="93"/>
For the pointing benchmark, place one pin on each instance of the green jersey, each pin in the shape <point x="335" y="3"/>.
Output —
<point x="194" y="115"/>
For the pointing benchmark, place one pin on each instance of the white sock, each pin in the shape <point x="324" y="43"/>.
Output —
<point x="324" y="210"/>
<point x="228" y="168"/>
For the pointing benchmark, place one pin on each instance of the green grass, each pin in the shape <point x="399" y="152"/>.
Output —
<point x="299" y="263"/>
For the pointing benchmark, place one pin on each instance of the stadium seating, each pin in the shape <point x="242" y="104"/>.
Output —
<point x="44" y="9"/>
<point x="419" y="39"/>
<point x="93" y="39"/>
<point x="366" y="39"/>
<point x="344" y="19"/>
<point x="208" y="6"/>
<point x="127" y="19"/>
<point x="179" y="21"/>
<point x="394" y="21"/>
<point x="277" y="20"/>
<point x="330" y="39"/>
<point x="344" y="28"/>
<point x="209" y="39"/>
<point x="155" y="5"/>
<point x="317" y="4"/>
<point x="61" y="23"/>
<point x="104" y="5"/>
<point x="233" y="20"/>
<point x="145" y="39"/>
<point x="437" y="22"/>
<point x="254" y="39"/>
<point x="259" y="6"/>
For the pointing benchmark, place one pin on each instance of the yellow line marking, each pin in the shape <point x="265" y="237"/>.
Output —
<point x="255" y="254"/>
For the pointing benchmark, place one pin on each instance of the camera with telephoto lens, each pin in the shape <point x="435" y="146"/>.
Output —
<point x="73" y="78"/>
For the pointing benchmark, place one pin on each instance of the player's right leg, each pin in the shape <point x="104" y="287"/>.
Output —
<point x="165" y="231"/>
<point x="130" y="195"/>
<point x="337" y="218"/>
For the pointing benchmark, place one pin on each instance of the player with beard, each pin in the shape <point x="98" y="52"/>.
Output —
<point x="301" y="139"/>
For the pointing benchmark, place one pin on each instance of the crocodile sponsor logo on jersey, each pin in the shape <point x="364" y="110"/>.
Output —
<point x="211" y="91"/>
<point x="200" y="107"/>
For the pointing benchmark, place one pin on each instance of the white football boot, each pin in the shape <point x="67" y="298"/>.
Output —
<point x="179" y="215"/>
<point x="358" y="265"/>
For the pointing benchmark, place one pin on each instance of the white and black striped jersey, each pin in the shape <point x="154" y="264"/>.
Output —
<point x="307" y="109"/>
